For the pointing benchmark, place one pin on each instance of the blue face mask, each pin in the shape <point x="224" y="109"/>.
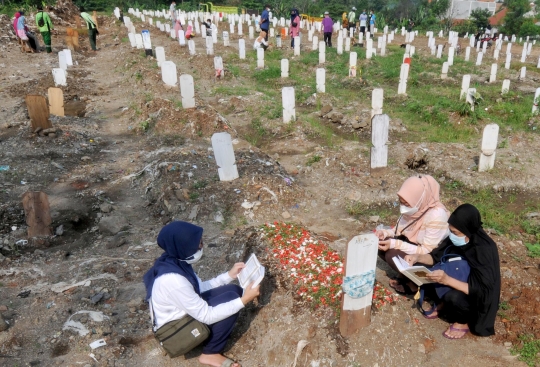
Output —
<point x="458" y="241"/>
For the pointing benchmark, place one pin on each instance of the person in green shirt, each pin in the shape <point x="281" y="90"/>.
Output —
<point x="92" y="28"/>
<point x="43" y="21"/>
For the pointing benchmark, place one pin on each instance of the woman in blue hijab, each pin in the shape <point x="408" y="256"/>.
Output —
<point x="174" y="290"/>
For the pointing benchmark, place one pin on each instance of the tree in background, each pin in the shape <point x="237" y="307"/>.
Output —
<point x="513" y="20"/>
<point x="480" y="18"/>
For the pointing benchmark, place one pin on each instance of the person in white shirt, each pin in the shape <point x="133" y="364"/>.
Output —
<point x="172" y="12"/>
<point x="174" y="290"/>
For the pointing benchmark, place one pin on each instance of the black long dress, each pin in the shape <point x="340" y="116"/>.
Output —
<point x="485" y="276"/>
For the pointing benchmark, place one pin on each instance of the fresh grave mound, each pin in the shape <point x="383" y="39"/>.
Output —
<point x="315" y="269"/>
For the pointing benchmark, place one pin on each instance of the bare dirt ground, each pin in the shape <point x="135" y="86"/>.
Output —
<point x="112" y="185"/>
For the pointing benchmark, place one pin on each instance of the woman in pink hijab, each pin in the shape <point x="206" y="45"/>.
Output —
<point x="422" y="226"/>
<point x="177" y="26"/>
<point x="15" y="21"/>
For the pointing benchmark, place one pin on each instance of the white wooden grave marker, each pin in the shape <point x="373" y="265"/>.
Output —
<point x="209" y="46"/>
<point x="321" y="80"/>
<point x="224" y="154"/>
<point x="505" y="86"/>
<point x="288" y="101"/>
<point x="296" y="46"/>
<point x="489" y="146"/>
<point x="347" y="44"/>
<point x="160" y="55"/>
<point x="187" y="91"/>
<point x="132" y="40"/>
<point x="403" y="76"/>
<point x="493" y="74"/>
<point x="67" y="55"/>
<point x="466" y="81"/>
<point x="315" y="43"/>
<point x="522" y="73"/>
<point x="467" y="53"/>
<point x="361" y="258"/>
<point x="444" y="73"/>
<point x="139" y="41"/>
<point x="353" y="57"/>
<point x="226" y="39"/>
<point x="322" y="52"/>
<point x="251" y="32"/>
<point x="168" y="73"/>
<point x="181" y="38"/>
<point x="191" y="46"/>
<point x="377" y="98"/>
<point x="439" y="51"/>
<point x="450" y="56"/>
<point x="507" y="62"/>
<point x="340" y="46"/>
<point x="284" y="68"/>
<point x="260" y="58"/>
<point x="62" y="60"/>
<point x="536" y="101"/>
<point x="218" y="66"/>
<point x="59" y="76"/>
<point x="242" y="48"/>
<point x="479" y="59"/>
<point x="379" y="139"/>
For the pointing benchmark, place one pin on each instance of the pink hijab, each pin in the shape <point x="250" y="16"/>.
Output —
<point x="422" y="192"/>
<point x="15" y="20"/>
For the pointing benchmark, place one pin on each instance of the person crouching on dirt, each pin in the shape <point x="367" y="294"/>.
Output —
<point x="92" y="28"/>
<point x="174" y="291"/>
<point x="208" y="24"/>
<point x="261" y="41"/>
<point x="420" y="229"/>
<point x="472" y="304"/>
<point x="43" y="21"/>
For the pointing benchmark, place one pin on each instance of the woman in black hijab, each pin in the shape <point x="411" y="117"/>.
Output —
<point x="472" y="305"/>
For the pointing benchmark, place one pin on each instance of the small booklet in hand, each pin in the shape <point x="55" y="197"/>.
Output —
<point x="253" y="272"/>
<point x="415" y="273"/>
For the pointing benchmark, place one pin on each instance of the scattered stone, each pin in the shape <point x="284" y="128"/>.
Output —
<point x="507" y="344"/>
<point x="416" y="159"/>
<point x="3" y="324"/>
<point x="359" y="124"/>
<point x="106" y="208"/>
<point x="3" y="308"/>
<point x="285" y="215"/>
<point x="113" y="224"/>
<point x="374" y="219"/>
<point x="335" y="117"/>
<point x="59" y="230"/>
<point x="86" y="158"/>
<point x="116" y="241"/>
<point x="532" y="215"/>
<point x="194" y="212"/>
<point x="326" y="109"/>
<point x="422" y="348"/>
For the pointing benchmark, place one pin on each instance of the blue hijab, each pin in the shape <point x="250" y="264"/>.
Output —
<point x="180" y="240"/>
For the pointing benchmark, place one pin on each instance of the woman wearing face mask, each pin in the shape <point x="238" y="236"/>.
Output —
<point x="420" y="228"/>
<point x="174" y="290"/>
<point x="470" y="305"/>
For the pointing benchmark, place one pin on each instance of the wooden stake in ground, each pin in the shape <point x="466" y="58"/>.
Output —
<point x="360" y="262"/>
<point x="56" y="101"/>
<point x="37" y="212"/>
<point x="38" y="111"/>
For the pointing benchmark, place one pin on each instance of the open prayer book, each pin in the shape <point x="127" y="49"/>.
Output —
<point x="415" y="273"/>
<point x="253" y="272"/>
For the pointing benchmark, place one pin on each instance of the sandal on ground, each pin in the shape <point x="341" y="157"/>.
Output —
<point x="452" y="328"/>
<point x="402" y="282"/>
<point x="429" y="313"/>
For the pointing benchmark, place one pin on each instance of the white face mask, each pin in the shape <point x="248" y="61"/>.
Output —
<point x="405" y="210"/>
<point x="195" y="257"/>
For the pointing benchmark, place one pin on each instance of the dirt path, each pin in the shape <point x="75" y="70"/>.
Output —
<point x="110" y="223"/>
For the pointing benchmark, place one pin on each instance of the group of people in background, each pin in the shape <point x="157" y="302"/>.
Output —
<point x="365" y="21"/>
<point x="29" y="40"/>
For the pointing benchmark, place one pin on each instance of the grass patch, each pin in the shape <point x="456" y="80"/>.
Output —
<point x="314" y="159"/>
<point x="227" y="91"/>
<point x="258" y="132"/>
<point x="528" y="351"/>
<point x="533" y="250"/>
<point x="197" y="185"/>
<point x="383" y="211"/>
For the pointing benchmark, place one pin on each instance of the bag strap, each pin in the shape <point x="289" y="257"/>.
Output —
<point x="152" y="315"/>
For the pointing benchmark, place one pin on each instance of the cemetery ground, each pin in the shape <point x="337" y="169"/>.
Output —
<point x="127" y="159"/>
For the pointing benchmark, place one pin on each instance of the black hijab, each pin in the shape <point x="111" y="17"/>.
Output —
<point x="180" y="240"/>
<point x="485" y="277"/>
